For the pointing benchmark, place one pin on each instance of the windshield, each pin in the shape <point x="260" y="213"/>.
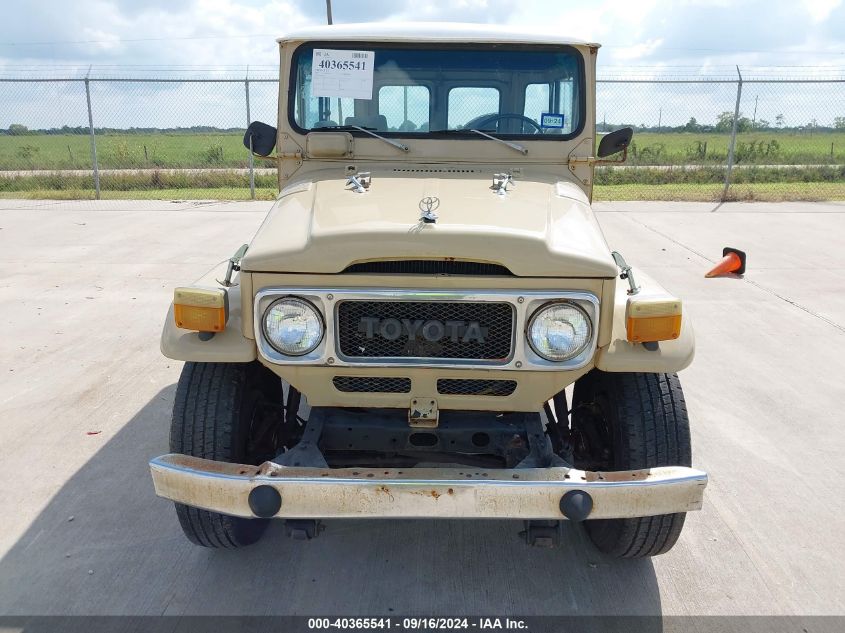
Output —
<point x="407" y="91"/>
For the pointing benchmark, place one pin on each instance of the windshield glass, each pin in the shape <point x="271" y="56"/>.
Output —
<point x="407" y="91"/>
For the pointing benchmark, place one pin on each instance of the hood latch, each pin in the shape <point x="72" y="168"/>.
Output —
<point x="501" y="182"/>
<point x="360" y="182"/>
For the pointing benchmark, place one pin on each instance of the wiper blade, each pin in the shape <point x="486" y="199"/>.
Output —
<point x="456" y="130"/>
<point x="365" y="130"/>
<point x="516" y="146"/>
<point x="341" y="128"/>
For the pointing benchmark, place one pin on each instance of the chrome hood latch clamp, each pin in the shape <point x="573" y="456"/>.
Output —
<point x="233" y="266"/>
<point x="501" y="182"/>
<point x="625" y="272"/>
<point x="360" y="182"/>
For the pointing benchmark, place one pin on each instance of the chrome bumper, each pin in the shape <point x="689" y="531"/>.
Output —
<point x="524" y="493"/>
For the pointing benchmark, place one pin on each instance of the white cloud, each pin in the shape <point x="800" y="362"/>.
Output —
<point x="819" y="10"/>
<point x="649" y="37"/>
<point x="237" y="32"/>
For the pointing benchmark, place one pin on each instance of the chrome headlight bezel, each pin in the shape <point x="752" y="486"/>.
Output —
<point x="320" y="319"/>
<point x="588" y="338"/>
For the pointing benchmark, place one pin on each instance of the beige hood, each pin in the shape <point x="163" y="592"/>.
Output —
<point x="536" y="230"/>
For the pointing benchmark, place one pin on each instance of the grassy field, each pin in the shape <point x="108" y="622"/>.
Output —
<point x="761" y="148"/>
<point x="761" y="192"/>
<point x="824" y="179"/>
<point x="126" y="151"/>
<point x="210" y="193"/>
<point x="773" y="192"/>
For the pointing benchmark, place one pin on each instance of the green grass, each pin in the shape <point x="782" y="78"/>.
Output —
<point x="174" y="150"/>
<point x="219" y="193"/>
<point x="709" y="192"/>
<point x="122" y="151"/>
<point x="774" y="192"/>
<point x="749" y="174"/>
<point x="135" y="182"/>
<point x="761" y="148"/>
<point x="224" y="150"/>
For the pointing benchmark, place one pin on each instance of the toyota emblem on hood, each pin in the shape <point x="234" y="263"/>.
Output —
<point x="428" y="205"/>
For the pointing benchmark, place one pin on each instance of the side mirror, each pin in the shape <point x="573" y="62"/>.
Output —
<point x="615" y="142"/>
<point x="263" y="138"/>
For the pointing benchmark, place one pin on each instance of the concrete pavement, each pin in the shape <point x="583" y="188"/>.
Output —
<point x="86" y="396"/>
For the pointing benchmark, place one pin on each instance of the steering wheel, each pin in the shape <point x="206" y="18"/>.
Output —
<point x="484" y="121"/>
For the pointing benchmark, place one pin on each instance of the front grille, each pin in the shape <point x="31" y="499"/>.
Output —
<point x="425" y="329"/>
<point x="356" y="384"/>
<point x="429" y="267"/>
<point x="466" y="387"/>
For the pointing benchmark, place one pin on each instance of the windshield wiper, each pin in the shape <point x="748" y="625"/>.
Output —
<point x="519" y="148"/>
<point x="365" y="130"/>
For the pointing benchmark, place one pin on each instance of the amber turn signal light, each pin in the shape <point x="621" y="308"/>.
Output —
<point x="201" y="309"/>
<point x="655" y="318"/>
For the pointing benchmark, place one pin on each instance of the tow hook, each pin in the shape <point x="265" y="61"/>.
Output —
<point x="545" y="534"/>
<point x="303" y="529"/>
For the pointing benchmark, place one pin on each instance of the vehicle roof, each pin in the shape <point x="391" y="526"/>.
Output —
<point x="428" y="32"/>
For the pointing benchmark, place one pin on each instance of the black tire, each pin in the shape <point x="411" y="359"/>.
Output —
<point x="642" y="421"/>
<point x="215" y="407"/>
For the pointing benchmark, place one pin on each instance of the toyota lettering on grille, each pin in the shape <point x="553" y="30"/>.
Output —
<point x="431" y="330"/>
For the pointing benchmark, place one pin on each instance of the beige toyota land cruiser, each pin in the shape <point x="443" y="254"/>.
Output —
<point x="398" y="338"/>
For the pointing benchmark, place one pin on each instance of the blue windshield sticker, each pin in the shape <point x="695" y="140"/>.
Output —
<point x="551" y="119"/>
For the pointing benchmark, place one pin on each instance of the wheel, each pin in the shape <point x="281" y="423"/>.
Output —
<point x="628" y="421"/>
<point x="220" y="413"/>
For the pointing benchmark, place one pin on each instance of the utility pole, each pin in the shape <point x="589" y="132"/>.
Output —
<point x="94" y="164"/>
<point x="732" y="145"/>
<point x="329" y="11"/>
<point x="659" y="118"/>
<point x="754" y="116"/>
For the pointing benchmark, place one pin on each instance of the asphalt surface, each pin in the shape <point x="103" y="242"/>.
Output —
<point x="85" y="399"/>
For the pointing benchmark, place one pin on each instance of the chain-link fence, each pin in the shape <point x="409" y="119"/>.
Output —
<point x="740" y="139"/>
<point x="92" y="136"/>
<point x="139" y="137"/>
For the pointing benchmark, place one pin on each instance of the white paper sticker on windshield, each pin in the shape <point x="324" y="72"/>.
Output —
<point x="337" y="73"/>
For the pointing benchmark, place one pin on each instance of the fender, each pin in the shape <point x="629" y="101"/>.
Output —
<point x="622" y="356"/>
<point x="229" y="346"/>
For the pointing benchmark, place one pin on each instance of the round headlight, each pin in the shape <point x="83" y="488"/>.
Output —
<point x="559" y="331"/>
<point x="293" y="326"/>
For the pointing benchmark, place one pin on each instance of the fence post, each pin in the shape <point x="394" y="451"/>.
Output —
<point x="733" y="136"/>
<point x="251" y="159"/>
<point x="93" y="138"/>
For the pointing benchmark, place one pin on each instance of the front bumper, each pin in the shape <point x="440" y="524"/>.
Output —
<point x="522" y="493"/>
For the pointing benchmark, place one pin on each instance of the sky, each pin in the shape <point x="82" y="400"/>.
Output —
<point x="642" y="38"/>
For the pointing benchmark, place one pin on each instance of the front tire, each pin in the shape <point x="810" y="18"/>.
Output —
<point x="630" y="421"/>
<point x="215" y="413"/>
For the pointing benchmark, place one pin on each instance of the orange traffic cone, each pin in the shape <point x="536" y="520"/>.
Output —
<point x="733" y="261"/>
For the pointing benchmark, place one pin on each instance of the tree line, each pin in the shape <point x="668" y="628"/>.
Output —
<point x="16" y="129"/>
<point x="724" y="125"/>
<point x="725" y="121"/>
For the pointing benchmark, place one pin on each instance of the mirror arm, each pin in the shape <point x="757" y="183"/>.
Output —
<point x="617" y="161"/>
<point x="297" y="155"/>
<point x="592" y="161"/>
